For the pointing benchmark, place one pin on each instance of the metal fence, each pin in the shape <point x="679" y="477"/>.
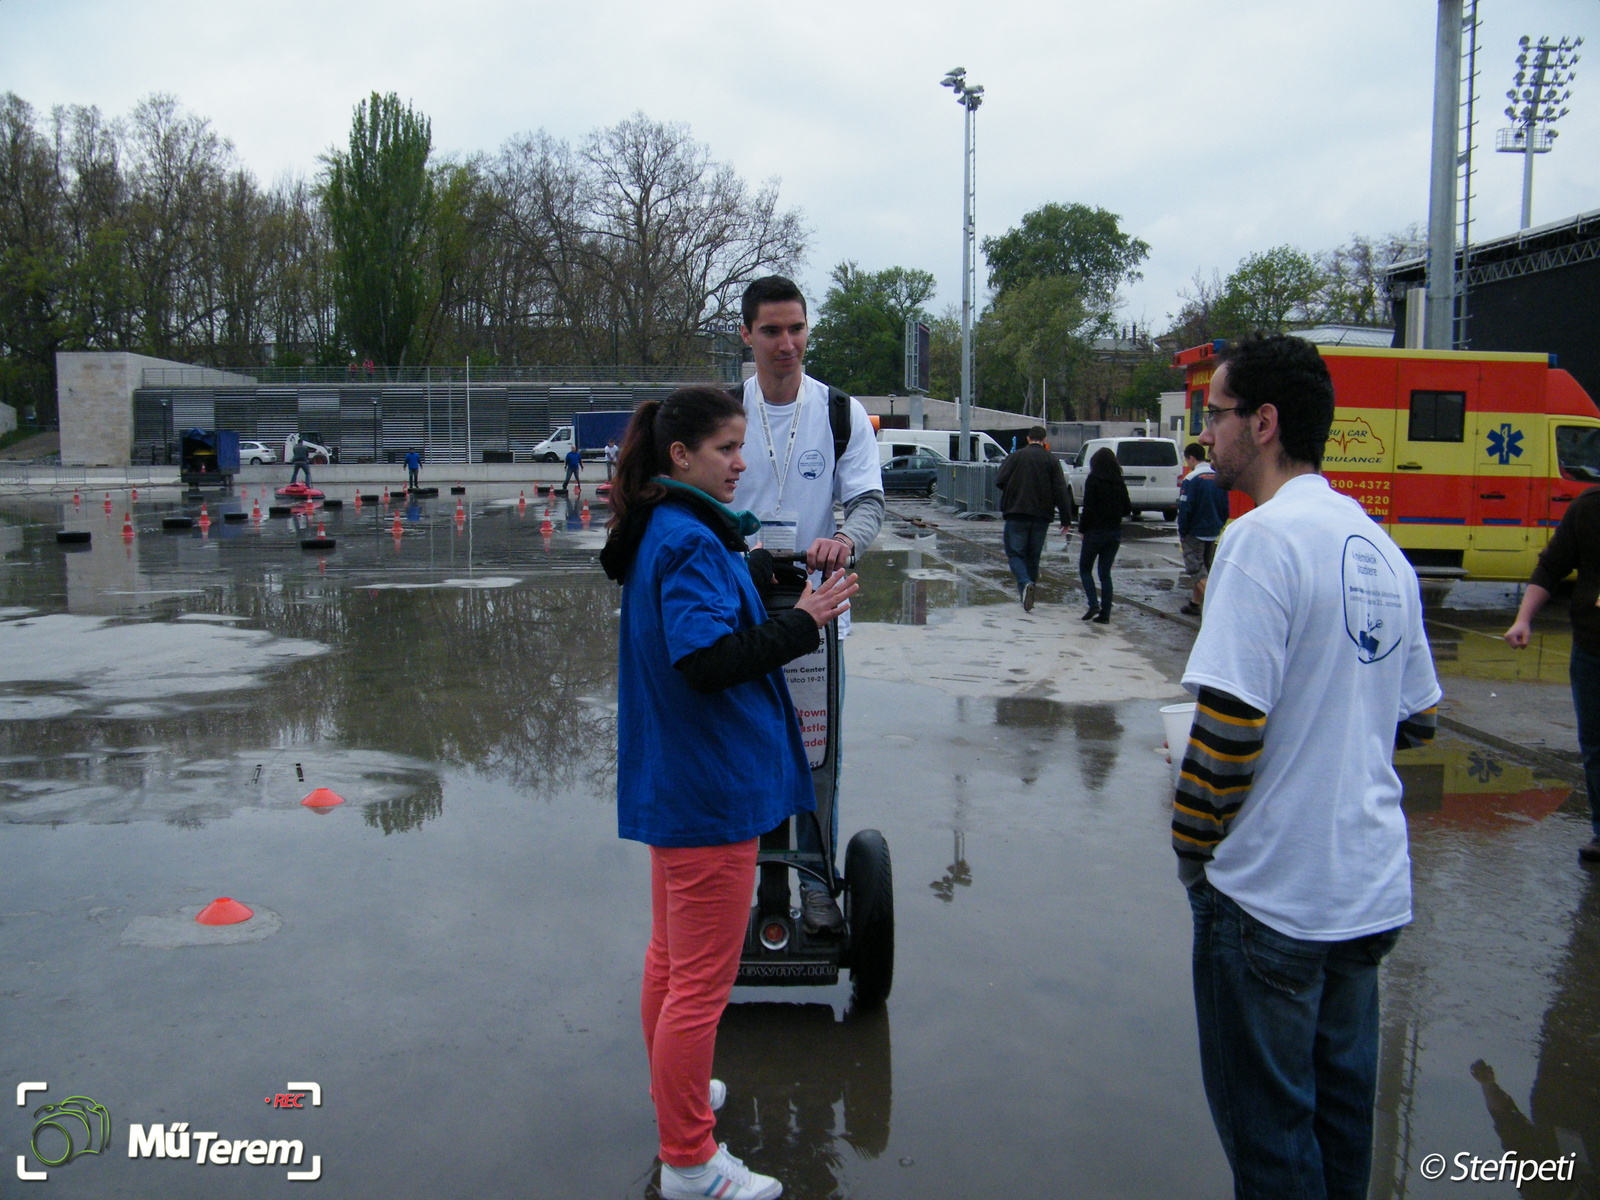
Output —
<point x="723" y="371"/>
<point x="970" y="487"/>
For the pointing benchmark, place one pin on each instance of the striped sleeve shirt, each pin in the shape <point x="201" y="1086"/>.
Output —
<point x="1219" y="767"/>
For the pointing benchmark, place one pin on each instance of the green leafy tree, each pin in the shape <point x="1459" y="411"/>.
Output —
<point x="1042" y="328"/>
<point x="1143" y="391"/>
<point x="379" y="196"/>
<point x="858" y="337"/>
<point x="1073" y="240"/>
<point x="1274" y="291"/>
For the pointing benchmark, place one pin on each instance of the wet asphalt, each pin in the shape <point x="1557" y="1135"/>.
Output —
<point x="453" y="954"/>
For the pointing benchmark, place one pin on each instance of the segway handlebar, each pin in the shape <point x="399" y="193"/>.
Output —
<point x="799" y="556"/>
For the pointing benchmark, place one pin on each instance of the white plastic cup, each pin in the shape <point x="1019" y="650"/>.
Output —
<point x="1177" y="718"/>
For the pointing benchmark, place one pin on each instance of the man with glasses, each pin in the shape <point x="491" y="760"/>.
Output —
<point x="1312" y="665"/>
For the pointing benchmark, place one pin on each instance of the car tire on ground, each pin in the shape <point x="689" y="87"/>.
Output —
<point x="256" y="462"/>
<point x="869" y="917"/>
<point x="932" y="488"/>
<point x="548" y="458"/>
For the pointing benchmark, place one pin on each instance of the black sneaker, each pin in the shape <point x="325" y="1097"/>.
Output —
<point x="1090" y="615"/>
<point x="1190" y="609"/>
<point x="1591" y="852"/>
<point x="1103" y="617"/>
<point x="1027" y="597"/>
<point x="819" y="913"/>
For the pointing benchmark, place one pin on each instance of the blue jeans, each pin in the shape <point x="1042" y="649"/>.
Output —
<point x="295" y="474"/>
<point x="1024" y="539"/>
<point x="1099" y="550"/>
<point x="1288" y="1051"/>
<point x="1584" y="671"/>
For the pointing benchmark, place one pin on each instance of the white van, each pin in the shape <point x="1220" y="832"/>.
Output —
<point x="1150" y="468"/>
<point x="943" y="444"/>
<point x="554" y="448"/>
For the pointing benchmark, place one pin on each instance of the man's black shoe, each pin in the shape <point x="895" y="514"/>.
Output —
<point x="1190" y="609"/>
<point x="1591" y="852"/>
<point x="819" y="913"/>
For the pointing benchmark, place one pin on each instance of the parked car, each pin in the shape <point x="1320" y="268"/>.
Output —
<point x="916" y="473"/>
<point x="1150" y="468"/>
<point x="257" y="454"/>
<point x="939" y="443"/>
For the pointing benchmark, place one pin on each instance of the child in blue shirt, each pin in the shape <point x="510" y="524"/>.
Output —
<point x="709" y="755"/>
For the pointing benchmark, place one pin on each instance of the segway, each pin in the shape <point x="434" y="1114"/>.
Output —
<point x="778" y="951"/>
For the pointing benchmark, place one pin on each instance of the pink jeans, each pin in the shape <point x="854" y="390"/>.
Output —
<point x="700" y="907"/>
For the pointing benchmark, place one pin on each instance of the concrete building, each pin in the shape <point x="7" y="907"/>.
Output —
<point x="94" y="402"/>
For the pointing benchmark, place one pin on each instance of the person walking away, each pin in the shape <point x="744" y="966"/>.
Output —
<point x="810" y="446"/>
<point x="1575" y="546"/>
<point x="1202" y="512"/>
<point x="1105" y="504"/>
<point x="1032" y="486"/>
<point x="709" y="754"/>
<point x="1312" y="667"/>
<point x="413" y="465"/>
<point x="611" y="458"/>
<point x="574" y="461"/>
<point x="302" y="462"/>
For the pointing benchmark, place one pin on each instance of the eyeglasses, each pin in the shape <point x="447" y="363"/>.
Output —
<point x="1213" y="415"/>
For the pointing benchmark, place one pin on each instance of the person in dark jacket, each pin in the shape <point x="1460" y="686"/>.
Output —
<point x="1202" y="512"/>
<point x="709" y="752"/>
<point x="413" y="465"/>
<point x="574" y="467"/>
<point x="1031" y="488"/>
<point x="1105" y="504"/>
<point x="1575" y="545"/>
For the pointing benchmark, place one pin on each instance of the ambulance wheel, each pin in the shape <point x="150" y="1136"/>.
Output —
<point x="869" y="916"/>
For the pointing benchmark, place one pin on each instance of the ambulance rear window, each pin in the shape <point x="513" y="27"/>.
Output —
<point x="1438" y="416"/>
<point x="1578" y="453"/>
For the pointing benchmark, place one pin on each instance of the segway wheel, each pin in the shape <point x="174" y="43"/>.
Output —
<point x="869" y="915"/>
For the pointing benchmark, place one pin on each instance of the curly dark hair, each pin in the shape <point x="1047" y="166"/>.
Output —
<point x="1289" y="374"/>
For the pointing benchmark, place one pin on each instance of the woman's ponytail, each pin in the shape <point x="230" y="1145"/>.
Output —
<point x="689" y="415"/>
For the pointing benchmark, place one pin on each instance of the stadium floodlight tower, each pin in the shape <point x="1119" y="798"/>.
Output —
<point x="969" y="96"/>
<point x="1544" y="71"/>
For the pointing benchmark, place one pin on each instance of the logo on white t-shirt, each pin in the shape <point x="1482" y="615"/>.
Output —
<point x="1373" y="607"/>
<point x="812" y="464"/>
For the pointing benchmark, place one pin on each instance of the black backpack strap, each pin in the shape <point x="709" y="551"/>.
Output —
<point x="839" y="421"/>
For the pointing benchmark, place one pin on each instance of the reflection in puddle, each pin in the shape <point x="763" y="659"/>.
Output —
<point x="1460" y="784"/>
<point x="803" y="1086"/>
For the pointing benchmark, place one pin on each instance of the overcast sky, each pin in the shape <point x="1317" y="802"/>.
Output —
<point x="1213" y="130"/>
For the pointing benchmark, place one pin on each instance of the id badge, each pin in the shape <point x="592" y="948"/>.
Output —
<point x="779" y="531"/>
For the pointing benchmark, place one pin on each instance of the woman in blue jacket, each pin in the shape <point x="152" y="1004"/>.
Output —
<point x="709" y="755"/>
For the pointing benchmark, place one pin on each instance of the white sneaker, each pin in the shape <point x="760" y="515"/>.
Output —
<point x="719" y="1094"/>
<point x="724" y="1178"/>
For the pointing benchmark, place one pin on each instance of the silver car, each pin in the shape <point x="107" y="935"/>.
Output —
<point x="257" y="454"/>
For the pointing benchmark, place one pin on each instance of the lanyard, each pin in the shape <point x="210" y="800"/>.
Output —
<point x="794" y="430"/>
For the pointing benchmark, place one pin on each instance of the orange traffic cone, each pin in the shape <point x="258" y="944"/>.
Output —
<point x="127" y="526"/>
<point x="108" y="501"/>
<point x="321" y="532"/>
<point x="255" y="512"/>
<point x="461" y="513"/>
<point x="224" y="911"/>
<point x="522" y="500"/>
<point x="395" y="528"/>
<point x="358" y="501"/>
<point x="205" y="519"/>
<point x="135" y="494"/>
<point x="75" y="499"/>
<point x="545" y="527"/>
<point x="386" y="495"/>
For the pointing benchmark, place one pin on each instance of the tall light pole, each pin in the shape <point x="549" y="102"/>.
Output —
<point x="1440" y="310"/>
<point x="969" y="96"/>
<point x="1543" y="72"/>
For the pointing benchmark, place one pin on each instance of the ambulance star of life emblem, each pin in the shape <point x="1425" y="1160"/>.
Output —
<point x="1505" y="443"/>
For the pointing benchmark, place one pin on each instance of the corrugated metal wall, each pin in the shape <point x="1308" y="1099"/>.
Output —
<point x="381" y="421"/>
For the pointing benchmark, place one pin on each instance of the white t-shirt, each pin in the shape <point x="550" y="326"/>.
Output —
<point x="814" y="481"/>
<point x="1314" y="616"/>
